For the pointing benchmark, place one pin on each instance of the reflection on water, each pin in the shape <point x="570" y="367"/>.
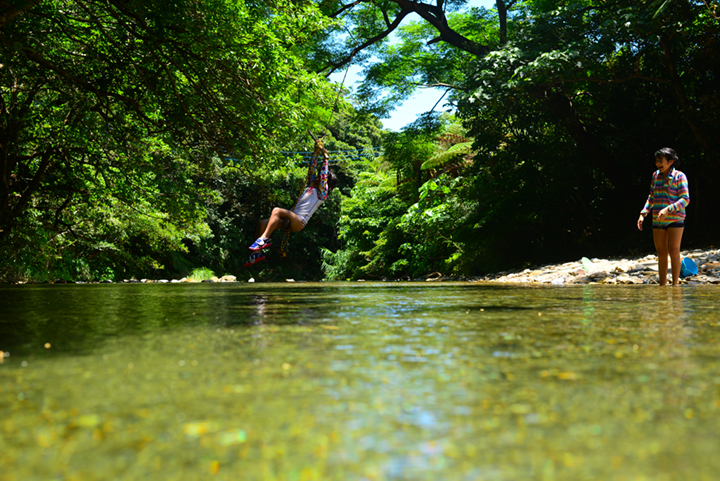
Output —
<point x="359" y="381"/>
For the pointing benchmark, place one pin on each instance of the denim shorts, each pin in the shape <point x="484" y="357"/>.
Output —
<point x="669" y="226"/>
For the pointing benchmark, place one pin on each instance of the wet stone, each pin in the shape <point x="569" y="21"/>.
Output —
<point x="641" y="270"/>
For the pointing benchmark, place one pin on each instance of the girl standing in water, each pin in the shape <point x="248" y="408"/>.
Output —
<point x="669" y="196"/>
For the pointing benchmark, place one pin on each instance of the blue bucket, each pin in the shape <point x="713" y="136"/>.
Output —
<point x="688" y="267"/>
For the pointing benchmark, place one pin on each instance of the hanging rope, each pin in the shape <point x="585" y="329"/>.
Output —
<point x="342" y="84"/>
<point x="319" y="148"/>
<point x="339" y="92"/>
<point x="311" y="176"/>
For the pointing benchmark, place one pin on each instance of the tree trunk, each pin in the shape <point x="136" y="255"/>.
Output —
<point x="11" y="212"/>
<point x="502" y="9"/>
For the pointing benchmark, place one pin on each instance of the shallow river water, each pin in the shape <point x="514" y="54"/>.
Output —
<point x="359" y="381"/>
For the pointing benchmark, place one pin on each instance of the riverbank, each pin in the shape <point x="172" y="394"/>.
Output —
<point x="634" y="270"/>
<point x="639" y="270"/>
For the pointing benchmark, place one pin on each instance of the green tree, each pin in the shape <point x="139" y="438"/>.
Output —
<point x="121" y="113"/>
<point x="566" y="103"/>
<point x="571" y="111"/>
<point x="400" y="219"/>
<point x="351" y="139"/>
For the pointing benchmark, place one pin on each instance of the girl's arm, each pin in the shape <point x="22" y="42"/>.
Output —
<point x="650" y="200"/>
<point x="323" y="191"/>
<point x="683" y="194"/>
<point x="311" y="170"/>
<point x="648" y="204"/>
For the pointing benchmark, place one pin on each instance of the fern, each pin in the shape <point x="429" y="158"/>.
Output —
<point x="381" y="179"/>
<point x="447" y="156"/>
<point x="455" y="129"/>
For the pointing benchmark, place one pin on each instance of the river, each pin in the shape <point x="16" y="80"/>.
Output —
<point x="359" y="381"/>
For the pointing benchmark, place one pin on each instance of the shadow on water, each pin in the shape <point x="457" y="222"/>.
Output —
<point x="75" y="318"/>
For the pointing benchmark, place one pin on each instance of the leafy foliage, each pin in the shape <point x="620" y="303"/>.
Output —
<point x="399" y="220"/>
<point x="564" y="117"/>
<point x="565" y="114"/>
<point x="117" y="116"/>
<point x="141" y="139"/>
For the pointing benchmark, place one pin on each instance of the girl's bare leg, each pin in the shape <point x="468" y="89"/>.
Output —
<point x="262" y="225"/>
<point x="674" y="237"/>
<point x="660" y="236"/>
<point x="276" y="220"/>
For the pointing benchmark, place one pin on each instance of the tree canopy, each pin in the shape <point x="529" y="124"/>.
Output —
<point x="134" y="105"/>
<point x="566" y="103"/>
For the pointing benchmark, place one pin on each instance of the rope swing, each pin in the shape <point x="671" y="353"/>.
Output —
<point x="312" y="174"/>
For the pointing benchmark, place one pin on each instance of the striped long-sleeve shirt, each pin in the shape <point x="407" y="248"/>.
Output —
<point x="671" y="191"/>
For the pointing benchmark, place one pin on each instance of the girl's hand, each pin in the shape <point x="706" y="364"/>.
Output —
<point x="662" y="214"/>
<point x="640" y="221"/>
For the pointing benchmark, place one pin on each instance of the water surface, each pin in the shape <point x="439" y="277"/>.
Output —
<point x="359" y="381"/>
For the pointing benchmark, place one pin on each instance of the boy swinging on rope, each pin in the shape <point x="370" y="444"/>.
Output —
<point x="317" y="190"/>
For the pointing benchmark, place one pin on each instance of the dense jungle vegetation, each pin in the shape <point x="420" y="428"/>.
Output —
<point x="146" y="138"/>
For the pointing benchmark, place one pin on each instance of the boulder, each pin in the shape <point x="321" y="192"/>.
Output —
<point x="626" y="279"/>
<point x="598" y="275"/>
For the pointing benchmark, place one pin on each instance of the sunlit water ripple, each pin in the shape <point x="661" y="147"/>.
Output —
<point x="365" y="381"/>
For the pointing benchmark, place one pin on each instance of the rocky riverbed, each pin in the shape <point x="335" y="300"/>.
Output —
<point x="227" y="278"/>
<point x="638" y="270"/>
<point x="642" y="270"/>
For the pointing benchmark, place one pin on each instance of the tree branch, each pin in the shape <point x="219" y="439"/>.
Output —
<point x="11" y="13"/>
<point x="336" y="65"/>
<point x="431" y="13"/>
<point x="434" y="15"/>
<point x="347" y="7"/>
<point x="27" y="193"/>
<point x="59" y="210"/>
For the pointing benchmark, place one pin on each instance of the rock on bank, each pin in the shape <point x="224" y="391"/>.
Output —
<point x="642" y="270"/>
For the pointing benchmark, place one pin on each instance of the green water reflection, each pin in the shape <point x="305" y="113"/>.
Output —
<point x="359" y="382"/>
